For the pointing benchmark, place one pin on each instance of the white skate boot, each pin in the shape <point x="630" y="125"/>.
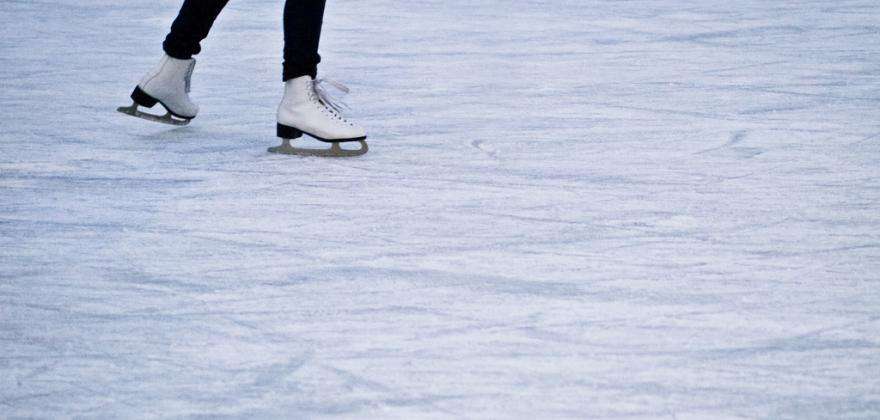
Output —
<point x="308" y="109"/>
<point x="169" y="85"/>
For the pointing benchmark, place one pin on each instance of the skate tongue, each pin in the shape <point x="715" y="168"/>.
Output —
<point x="334" y="103"/>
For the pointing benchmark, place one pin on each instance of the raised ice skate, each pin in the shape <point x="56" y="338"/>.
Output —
<point x="307" y="108"/>
<point x="168" y="84"/>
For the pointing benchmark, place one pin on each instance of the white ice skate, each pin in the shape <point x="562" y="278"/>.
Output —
<point x="168" y="84"/>
<point x="307" y="108"/>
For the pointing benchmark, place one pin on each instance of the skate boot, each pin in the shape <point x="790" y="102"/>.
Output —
<point x="168" y="84"/>
<point x="307" y="108"/>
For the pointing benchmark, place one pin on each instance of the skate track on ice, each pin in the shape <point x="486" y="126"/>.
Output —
<point x="572" y="208"/>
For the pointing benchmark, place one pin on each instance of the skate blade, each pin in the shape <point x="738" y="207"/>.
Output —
<point x="335" y="151"/>
<point x="164" y="119"/>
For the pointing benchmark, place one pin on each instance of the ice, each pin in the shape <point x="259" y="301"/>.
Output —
<point x="571" y="208"/>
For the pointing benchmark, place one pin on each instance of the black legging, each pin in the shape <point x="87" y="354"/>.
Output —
<point x="302" y="32"/>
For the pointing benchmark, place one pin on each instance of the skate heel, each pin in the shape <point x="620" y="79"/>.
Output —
<point x="141" y="98"/>
<point x="288" y="132"/>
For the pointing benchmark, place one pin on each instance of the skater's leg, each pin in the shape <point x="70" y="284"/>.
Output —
<point x="306" y="108"/>
<point x="302" y="32"/>
<point x="168" y="83"/>
<point x="191" y="26"/>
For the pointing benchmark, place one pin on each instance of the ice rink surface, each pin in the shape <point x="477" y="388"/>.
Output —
<point x="591" y="209"/>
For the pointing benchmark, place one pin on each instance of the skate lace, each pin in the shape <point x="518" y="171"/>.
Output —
<point x="188" y="77"/>
<point x="335" y="104"/>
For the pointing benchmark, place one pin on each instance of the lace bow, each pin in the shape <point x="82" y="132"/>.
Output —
<point x="326" y="98"/>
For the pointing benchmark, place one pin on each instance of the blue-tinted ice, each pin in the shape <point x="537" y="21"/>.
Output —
<point x="593" y="209"/>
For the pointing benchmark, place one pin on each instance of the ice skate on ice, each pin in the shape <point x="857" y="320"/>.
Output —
<point x="307" y="108"/>
<point x="169" y="85"/>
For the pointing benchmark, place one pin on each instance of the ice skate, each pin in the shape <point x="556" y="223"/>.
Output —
<point x="168" y="85"/>
<point x="307" y="108"/>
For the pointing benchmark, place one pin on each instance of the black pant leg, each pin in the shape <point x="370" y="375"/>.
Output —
<point x="191" y="26"/>
<point x="302" y="33"/>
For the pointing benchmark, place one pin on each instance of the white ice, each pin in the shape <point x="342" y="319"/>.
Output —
<point x="571" y="208"/>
